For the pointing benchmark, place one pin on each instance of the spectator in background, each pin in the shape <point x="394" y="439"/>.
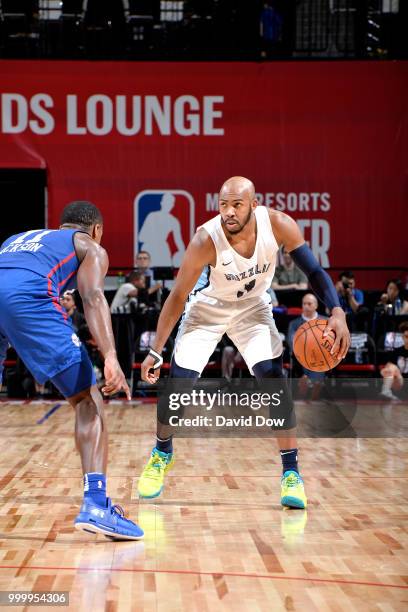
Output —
<point x="125" y="299"/>
<point x="77" y="318"/>
<point x="82" y="330"/>
<point x="352" y="302"/>
<point x="230" y="357"/>
<point x="309" y="312"/>
<point x="270" y="28"/>
<point x="131" y="298"/>
<point x="142" y="263"/>
<point x="393" y="297"/>
<point x="350" y="298"/>
<point x="288" y="275"/>
<point x="396" y="369"/>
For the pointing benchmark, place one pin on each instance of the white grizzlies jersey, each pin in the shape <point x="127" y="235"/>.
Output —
<point x="234" y="277"/>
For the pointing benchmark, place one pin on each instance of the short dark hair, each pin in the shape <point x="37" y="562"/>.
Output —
<point x="134" y="275"/>
<point x="81" y="212"/>
<point x="396" y="282"/>
<point x="347" y="274"/>
<point x="403" y="327"/>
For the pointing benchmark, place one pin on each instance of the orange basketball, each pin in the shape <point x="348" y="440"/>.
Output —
<point x="311" y="349"/>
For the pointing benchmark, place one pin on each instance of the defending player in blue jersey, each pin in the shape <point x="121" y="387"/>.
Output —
<point x="35" y="268"/>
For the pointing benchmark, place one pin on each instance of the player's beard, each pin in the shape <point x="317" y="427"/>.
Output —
<point x="239" y="226"/>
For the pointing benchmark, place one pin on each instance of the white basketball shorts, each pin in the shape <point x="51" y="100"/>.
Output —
<point x="249" y="324"/>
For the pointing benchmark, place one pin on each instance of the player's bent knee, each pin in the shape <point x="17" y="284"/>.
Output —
<point x="270" y="368"/>
<point x="86" y="395"/>
<point x="177" y="371"/>
<point x="172" y="385"/>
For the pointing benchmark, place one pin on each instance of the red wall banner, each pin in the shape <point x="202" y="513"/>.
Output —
<point x="151" y="144"/>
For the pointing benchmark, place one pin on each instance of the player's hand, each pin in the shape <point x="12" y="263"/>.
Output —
<point x="147" y="365"/>
<point x="115" y="380"/>
<point x="337" y="323"/>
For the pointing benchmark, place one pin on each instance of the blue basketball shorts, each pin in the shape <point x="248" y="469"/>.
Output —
<point x="38" y="328"/>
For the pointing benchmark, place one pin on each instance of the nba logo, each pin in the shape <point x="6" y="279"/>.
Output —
<point x="163" y="225"/>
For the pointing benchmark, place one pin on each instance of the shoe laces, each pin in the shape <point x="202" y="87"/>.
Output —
<point x="157" y="464"/>
<point x="292" y="480"/>
<point x="116" y="509"/>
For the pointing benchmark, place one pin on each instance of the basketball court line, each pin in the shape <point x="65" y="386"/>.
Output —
<point x="202" y="573"/>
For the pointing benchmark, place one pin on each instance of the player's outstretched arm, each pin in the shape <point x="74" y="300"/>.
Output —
<point x="199" y="253"/>
<point x="90" y="278"/>
<point x="287" y="232"/>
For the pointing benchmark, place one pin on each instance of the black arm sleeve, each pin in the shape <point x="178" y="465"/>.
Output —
<point x="319" y="280"/>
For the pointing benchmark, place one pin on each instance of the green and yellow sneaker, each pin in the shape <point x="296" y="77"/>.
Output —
<point x="151" y="481"/>
<point x="292" y="490"/>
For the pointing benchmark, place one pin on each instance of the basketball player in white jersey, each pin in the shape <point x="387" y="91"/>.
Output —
<point x="238" y="250"/>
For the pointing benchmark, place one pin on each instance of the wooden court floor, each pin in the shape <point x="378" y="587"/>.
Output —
<point x="217" y="539"/>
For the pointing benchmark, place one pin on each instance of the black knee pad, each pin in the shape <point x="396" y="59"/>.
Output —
<point x="270" y="368"/>
<point x="273" y="368"/>
<point x="171" y="385"/>
<point x="177" y="371"/>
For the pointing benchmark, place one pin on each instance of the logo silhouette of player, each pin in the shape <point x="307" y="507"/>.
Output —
<point x="156" y="229"/>
<point x="36" y="267"/>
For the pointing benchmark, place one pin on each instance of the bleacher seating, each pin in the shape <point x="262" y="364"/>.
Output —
<point x="365" y="358"/>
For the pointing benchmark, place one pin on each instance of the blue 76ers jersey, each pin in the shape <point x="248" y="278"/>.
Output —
<point x="48" y="253"/>
<point x="35" y="268"/>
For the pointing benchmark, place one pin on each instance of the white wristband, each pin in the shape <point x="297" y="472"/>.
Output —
<point x="158" y="359"/>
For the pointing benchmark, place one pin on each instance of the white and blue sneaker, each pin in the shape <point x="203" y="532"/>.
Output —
<point x="109" y="521"/>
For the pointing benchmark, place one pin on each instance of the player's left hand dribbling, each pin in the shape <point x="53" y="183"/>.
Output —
<point x="337" y="323"/>
<point x="146" y="367"/>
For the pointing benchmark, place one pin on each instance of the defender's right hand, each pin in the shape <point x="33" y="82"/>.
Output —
<point x="147" y="365"/>
<point x="115" y="380"/>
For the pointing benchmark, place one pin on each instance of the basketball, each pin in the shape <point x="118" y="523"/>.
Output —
<point x="311" y="349"/>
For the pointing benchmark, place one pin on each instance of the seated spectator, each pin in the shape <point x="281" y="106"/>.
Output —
<point x="68" y="302"/>
<point x="352" y="300"/>
<point x="230" y="357"/>
<point x="82" y="330"/>
<point x="396" y="369"/>
<point x="309" y="312"/>
<point x="391" y="296"/>
<point x="142" y="263"/>
<point x="288" y="275"/>
<point x="125" y="299"/>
